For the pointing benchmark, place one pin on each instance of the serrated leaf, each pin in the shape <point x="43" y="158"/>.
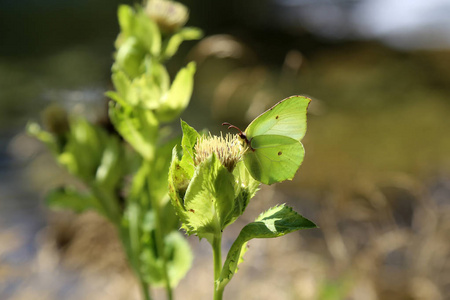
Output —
<point x="246" y="188"/>
<point x="209" y="199"/>
<point x="178" y="183"/>
<point x="275" y="222"/>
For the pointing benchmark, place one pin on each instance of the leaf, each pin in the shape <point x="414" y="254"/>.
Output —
<point x="158" y="72"/>
<point x="111" y="167"/>
<point x="160" y="168"/>
<point x="130" y="57"/>
<point x="148" y="33"/>
<point x="245" y="188"/>
<point x="174" y="42"/>
<point x="122" y="84"/>
<point x="84" y="149"/>
<point x="138" y="126"/>
<point x="190" y="137"/>
<point x="179" y="95"/>
<point x="125" y="15"/>
<point x="71" y="199"/>
<point x="275" y="222"/>
<point x="145" y="92"/>
<point x="209" y="199"/>
<point x="45" y="137"/>
<point x="178" y="256"/>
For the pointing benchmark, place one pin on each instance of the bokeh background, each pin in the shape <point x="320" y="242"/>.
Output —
<point x="376" y="177"/>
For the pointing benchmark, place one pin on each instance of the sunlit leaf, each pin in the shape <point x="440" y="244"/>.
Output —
<point x="275" y="222"/>
<point x="174" y="42"/>
<point x="179" y="95"/>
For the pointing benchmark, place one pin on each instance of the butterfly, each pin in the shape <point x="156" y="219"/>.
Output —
<point x="274" y="151"/>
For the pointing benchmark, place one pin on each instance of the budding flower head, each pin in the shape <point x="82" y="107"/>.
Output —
<point x="209" y="185"/>
<point x="228" y="149"/>
<point x="169" y="15"/>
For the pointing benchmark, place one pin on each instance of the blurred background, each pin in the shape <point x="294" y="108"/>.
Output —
<point x="376" y="176"/>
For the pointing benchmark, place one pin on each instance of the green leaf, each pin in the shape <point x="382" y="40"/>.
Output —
<point x="138" y="126"/>
<point x="122" y="84"/>
<point x="84" y="149"/>
<point x="148" y="33"/>
<point x="71" y="199"/>
<point x="190" y="137"/>
<point x="179" y="95"/>
<point x="160" y="169"/>
<point x="130" y="57"/>
<point x="125" y="15"/>
<point x="45" y="137"/>
<point x="145" y="92"/>
<point x="174" y="42"/>
<point x="245" y="189"/>
<point x="275" y="222"/>
<point x="116" y="97"/>
<point x="159" y="73"/>
<point x="178" y="256"/>
<point x="112" y="162"/>
<point x="209" y="199"/>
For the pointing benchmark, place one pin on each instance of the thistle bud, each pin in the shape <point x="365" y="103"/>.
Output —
<point x="227" y="149"/>
<point x="209" y="186"/>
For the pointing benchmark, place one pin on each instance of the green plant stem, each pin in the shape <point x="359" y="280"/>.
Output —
<point x="145" y="289"/>
<point x="156" y="205"/>
<point x="125" y="235"/>
<point x="217" y="256"/>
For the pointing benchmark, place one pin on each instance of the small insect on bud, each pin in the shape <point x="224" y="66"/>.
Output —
<point x="228" y="149"/>
<point x="169" y="15"/>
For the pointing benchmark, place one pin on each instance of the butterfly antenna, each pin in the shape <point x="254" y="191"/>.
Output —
<point x="232" y="126"/>
<point x="241" y="134"/>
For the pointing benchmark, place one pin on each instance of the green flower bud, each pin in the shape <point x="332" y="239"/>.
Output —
<point x="209" y="186"/>
<point x="168" y="15"/>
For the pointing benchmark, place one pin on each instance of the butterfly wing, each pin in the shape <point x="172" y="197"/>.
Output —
<point x="286" y="118"/>
<point x="274" y="158"/>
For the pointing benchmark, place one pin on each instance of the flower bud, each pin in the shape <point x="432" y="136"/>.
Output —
<point x="209" y="186"/>
<point x="168" y="15"/>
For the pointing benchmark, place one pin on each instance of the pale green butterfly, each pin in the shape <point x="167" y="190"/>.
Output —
<point x="274" y="151"/>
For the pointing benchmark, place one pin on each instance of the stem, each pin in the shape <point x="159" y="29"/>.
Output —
<point x="145" y="290"/>
<point x="156" y="205"/>
<point x="217" y="254"/>
<point x="125" y="236"/>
